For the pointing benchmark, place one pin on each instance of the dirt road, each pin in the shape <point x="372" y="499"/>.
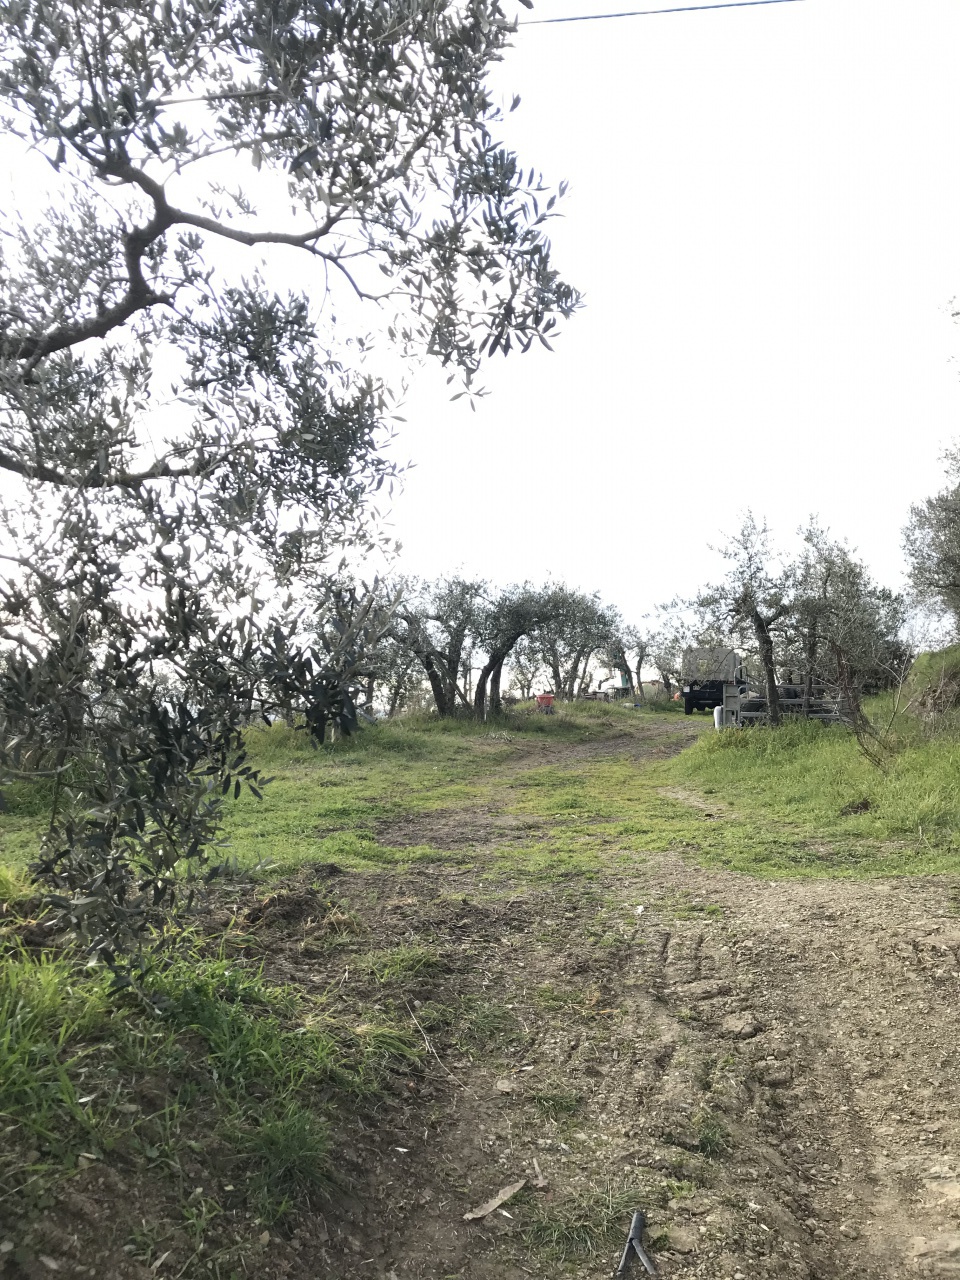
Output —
<point x="770" y="1070"/>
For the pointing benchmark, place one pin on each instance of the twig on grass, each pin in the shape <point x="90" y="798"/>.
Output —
<point x="431" y="1049"/>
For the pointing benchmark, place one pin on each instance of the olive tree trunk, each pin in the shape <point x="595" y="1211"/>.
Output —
<point x="761" y="630"/>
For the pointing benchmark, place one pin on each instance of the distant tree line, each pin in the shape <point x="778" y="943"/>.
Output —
<point x="812" y="619"/>
<point x="461" y="645"/>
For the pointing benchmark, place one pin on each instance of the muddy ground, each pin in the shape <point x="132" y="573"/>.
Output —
<point x="770" y="1070"/>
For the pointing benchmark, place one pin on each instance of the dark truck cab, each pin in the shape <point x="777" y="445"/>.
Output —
<point x="702" y="695"/>
<point x="705" y="674"/>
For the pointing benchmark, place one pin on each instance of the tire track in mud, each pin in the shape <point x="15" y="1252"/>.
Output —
<point x="771" y="1069"/>
<point x="840" y="1001"/>
<point x="790" y="1067"/>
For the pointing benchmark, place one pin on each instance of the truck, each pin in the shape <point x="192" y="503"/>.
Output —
<point x="719" y="678"/>
<point x="707" y="675"/>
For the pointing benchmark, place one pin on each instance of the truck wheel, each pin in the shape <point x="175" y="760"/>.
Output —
<point x="688" y="707"/>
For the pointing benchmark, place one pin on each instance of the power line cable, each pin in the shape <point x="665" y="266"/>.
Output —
<point x="643" y="13"/>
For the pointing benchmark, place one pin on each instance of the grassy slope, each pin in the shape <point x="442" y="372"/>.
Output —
<point x="778" y="804"/>
<point x="767" y="804"/>
<point x="931" y="668"/>
<point x="821" y="808"/>
<point x="210" y="1078"/>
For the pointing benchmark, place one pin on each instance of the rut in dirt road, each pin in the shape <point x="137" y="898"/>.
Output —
<point x="771" y="1070"/>
<point x="858" y="984"/>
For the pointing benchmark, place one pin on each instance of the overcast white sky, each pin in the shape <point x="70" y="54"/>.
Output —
<point x="764" y="215"/>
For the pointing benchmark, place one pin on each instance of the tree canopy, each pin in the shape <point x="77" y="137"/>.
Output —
<point x="813" y="618"/>
<point x="191" y="430"/>
<point x="932" y="542"/>
<point x="358" y="136"/>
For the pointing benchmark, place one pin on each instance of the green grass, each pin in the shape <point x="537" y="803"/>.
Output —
<point x="209" y="1057"/>
<point x="556" y="1103"/>
<point x="481" y="1025"/>
<point x="19" y="840"/>
<point x="774" y="804"/>
<point x="13" y="884"/>
<point x="327" y="802"/>
<point x="657" y="702"/>
<point x="557" y="999"/>
<point x="713" y="1136"/>
<point x="291" y="1157"/>
<point x="798" y="802"/>
<point x="930" y="669"/>
<point x="687" y="909"/>
<point x="825" y="808"/>
<point x="399" y="966"/>
<point x="583" y="1225"/>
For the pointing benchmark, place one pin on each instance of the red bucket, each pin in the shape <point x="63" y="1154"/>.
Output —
<point x="545" y="699"/>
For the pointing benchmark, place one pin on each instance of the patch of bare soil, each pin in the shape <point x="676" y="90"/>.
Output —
<point x="709" y="808"/>
<point x="770" y="1070"/>
<point x="776" y="1085"/>
<point x="452" y="829"/>
<point x="645" y="741"/>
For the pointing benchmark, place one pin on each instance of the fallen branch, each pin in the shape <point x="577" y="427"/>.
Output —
<point x="431" y="1049"/>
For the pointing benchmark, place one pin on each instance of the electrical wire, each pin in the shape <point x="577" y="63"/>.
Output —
<point x="642" y="13"/>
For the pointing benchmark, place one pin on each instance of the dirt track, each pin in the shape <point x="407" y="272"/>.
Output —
<point x="771" y="1069"/>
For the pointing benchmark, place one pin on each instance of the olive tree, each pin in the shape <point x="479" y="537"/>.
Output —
<point x="574" y="627"/>
<point x="372" y="125"/>
<point x="752" y="602"/>
<point x="932" y="542"/>
<point x="513" y="613"/>
<point x="817" y="618"/>
<point x="526" y="669"/>
<point x="666" y="643"/>
<point x="627" y="651"/>
<point x="436" y="622"/>
<point x="190" y="432"/>
<point x="844" y="629"/>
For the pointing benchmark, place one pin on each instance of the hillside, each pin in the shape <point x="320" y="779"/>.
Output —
<point x="559" y="950"/>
